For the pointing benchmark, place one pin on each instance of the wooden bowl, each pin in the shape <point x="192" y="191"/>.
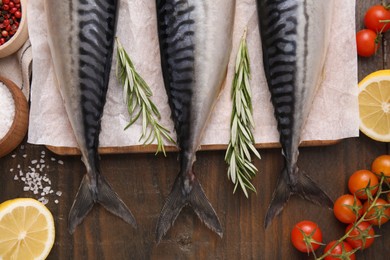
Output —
<point x="19" y="38"/>
<point x="18" y="129"/>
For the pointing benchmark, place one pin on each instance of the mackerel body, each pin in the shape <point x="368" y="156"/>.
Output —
<point x="195" y="39"/>
<point x="295" y="38"/>
<point x="81" y="39"/>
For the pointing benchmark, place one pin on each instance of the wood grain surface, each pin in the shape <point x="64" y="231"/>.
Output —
<point x="144" y="180"/>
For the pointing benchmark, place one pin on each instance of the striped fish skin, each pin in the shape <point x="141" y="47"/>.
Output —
<point x="81" y="39"/>
<point x="295" y="37"/>
<point x="195" y="39"/>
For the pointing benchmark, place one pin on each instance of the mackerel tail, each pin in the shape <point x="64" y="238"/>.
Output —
<point x="187" y="191"/>
<point x="295" y="38"/>
<point x="81" y="40"/>
<point x="95" y="189"/>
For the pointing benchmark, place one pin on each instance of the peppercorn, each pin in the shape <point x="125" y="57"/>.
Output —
<point x="10" y="16"/>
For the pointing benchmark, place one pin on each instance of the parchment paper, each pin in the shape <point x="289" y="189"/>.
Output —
<point x="334" y="115"/>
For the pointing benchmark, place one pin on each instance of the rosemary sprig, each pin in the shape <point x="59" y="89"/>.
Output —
<point x="238" y="155"/>
<point x="139" y="104"/>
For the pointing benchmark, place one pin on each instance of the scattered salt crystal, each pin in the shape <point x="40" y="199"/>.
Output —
<point x="35" y="180"/>
<point x="7" y="111"/>
<point x="22" y="147"/>
<point x="24" y="155"/>
<point x="56" y="201"/>
<point x="13" y="156"/>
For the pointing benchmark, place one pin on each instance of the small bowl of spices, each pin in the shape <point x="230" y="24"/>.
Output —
<point x="13" y="116"/>
<point x="13" y="26"/>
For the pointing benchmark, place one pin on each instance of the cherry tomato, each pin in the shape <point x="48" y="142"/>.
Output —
<point x="381" y="165"/>
<point x="347" y="208"/>
<point x="306" y="236"/>
<point x="366" y="42"/>
<point x="379" y="214"/>
<point x="362" y="236"/>
<point x="342" y="249"/>
<point x="361" y="182"/>
<point x="373" y="17"/>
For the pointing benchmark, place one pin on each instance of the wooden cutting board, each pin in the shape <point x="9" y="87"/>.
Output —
<point x="153" y="148"/>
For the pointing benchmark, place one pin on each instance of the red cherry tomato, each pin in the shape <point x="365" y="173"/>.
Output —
<point x="361" y="182"/>
<point x="341" y="249"/>
<point x="366" y="42"/>
<point x="374" y="15"/>
<point x="347" y="208"/>
<point x="381" y="165"/>
<point x="362" y="236"/>
<point x="379" y="214"/>
<point x="306" y="236"/>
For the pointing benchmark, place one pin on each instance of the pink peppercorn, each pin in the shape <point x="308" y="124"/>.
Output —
<point x="10" y="16"/>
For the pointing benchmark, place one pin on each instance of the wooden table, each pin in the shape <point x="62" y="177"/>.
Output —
<point x="145" y="180"/>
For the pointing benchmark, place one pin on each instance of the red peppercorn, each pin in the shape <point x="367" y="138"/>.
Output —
<point x="2" y="41"/>
<point x="16" y="1"/>
<point x="11" y="4"/>
<point x="6" y="2"/>
<point x="18" y="14"/>
<point x="4" y="33"/>
<point x="5" y="7"/>
<point x="13" y="10"/>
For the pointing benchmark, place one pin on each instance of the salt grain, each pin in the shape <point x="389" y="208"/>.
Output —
<point x="34" y="161"/>
<point x="7" y="111"/>
<point x="13" y="156"/>
<point x="60" y="162"/>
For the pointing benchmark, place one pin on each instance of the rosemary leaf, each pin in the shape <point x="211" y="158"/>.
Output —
<point x="137" y="96"/>
<point x="238" y="155"/>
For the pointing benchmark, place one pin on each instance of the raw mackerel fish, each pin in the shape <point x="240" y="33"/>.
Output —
<point x="294" y="36"/>
<point x="81" y="39"/>
<point x="195" y="39"/>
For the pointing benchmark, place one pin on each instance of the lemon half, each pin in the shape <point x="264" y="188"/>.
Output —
<point x="374" y="105"/>
<point x="26" y="229"/>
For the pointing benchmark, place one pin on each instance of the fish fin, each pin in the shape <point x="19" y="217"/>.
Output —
<point x="309" y="190"/>
<point x="87" y="196"/>
<point x="110" y="200"/>
<point x="305" y="187"/>
<point x="177" y="199"/>
<point x="82" y="204"/>
<point x="280" y="197"/>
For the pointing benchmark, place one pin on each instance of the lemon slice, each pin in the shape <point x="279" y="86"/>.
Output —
<point x="26" y="229"/>
<point x="374" y="105"/>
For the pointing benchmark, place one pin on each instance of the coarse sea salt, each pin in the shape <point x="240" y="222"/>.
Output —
<point x="7" y="110"/>
<point x="35" y="179"/>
